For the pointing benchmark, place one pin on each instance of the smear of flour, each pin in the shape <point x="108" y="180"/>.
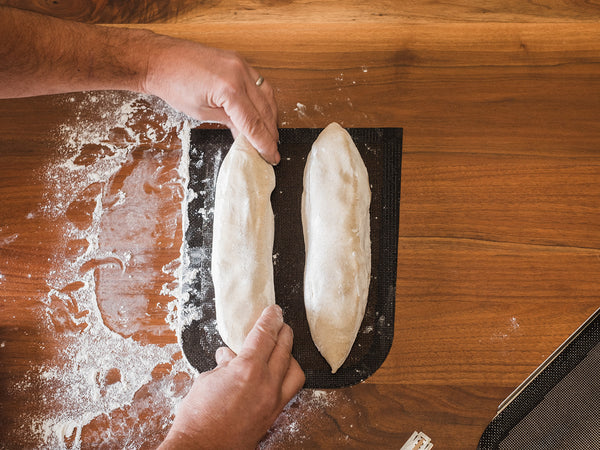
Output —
<point x="196" y="311"/>
<point x="117" y="189"/>
<point x="302" y="416"/>
<point x="118" y="376"/>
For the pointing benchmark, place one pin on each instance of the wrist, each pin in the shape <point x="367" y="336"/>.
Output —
<point x="156" y="62"/>
<point x="131" y="52"/>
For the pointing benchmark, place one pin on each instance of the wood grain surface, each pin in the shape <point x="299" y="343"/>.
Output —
<point x="499" y="246"/>
<point x="310" y="11"/>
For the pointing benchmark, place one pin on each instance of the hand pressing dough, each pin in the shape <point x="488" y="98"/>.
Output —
<point x="335" y="219"/>
<point x="243" y="232"/>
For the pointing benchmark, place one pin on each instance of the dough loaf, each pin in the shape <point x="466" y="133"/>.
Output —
<point x="242" y="251"/>
<point x="335" y="218"/>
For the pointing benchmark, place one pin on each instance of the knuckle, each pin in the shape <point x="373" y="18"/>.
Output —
<point x="248" y="371"/>
<point x="233" y="55"/>
<point x="268" y="90"/>
<point x="231" y="87"/>
<point x="269" y="332"/>
<point x="235" y="61"/>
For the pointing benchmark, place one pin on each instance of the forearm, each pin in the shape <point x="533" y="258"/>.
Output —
<point x="43" y="55"/>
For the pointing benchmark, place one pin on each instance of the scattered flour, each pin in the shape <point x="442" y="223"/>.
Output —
<point x="118" y="191"/>
<point x="300" y="109"/>
<point x="511" y="329"/>
<point x="8" y="240"/>
<point x="118" y="375"/>
<point x="301" y="417"/>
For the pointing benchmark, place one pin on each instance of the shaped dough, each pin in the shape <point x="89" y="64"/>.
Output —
<point x="243" y="232"/>
<point x="335" y="219"/>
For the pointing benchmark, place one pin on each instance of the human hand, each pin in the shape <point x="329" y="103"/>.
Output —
<point x="216" y="86"/>
<point x="234" y="405"/>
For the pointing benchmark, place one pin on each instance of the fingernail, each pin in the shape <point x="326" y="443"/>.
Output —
<point x="277" y="159"/>
<point x="219" y="354"/>
<point x="277" y="310"/>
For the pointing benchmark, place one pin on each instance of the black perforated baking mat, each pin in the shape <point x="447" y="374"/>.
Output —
<point x="557" y="407"/>
<point x="381" y="150"/>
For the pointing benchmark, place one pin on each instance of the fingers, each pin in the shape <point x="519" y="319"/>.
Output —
<point x="264" y="100"/>
<point x="246" y="118"/>
<point x="293" y="382"/>
<point x="263" y="337"/>
<point x="253" y="112"/>
<point x="216" y="85"/>
<point x="281" y="355"/>
<point x="270" y="342"/>
<point x="275" y="351"/>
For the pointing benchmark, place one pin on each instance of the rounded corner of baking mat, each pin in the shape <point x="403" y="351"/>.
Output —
<point x="381" y="150"/>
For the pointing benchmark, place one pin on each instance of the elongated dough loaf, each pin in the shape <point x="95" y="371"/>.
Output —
<point x="243" y="232"/>
<point x="335" y="218"/>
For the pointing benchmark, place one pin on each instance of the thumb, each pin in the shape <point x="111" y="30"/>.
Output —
<point x="223" y="355"/>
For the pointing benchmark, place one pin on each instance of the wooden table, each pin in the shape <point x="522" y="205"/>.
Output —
<point x="499" y="246"/>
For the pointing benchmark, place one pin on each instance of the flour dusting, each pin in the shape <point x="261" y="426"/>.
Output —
<point x="117" y="192"/>
<point x="301" y="416"/>
<point x="118" y="375"/>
